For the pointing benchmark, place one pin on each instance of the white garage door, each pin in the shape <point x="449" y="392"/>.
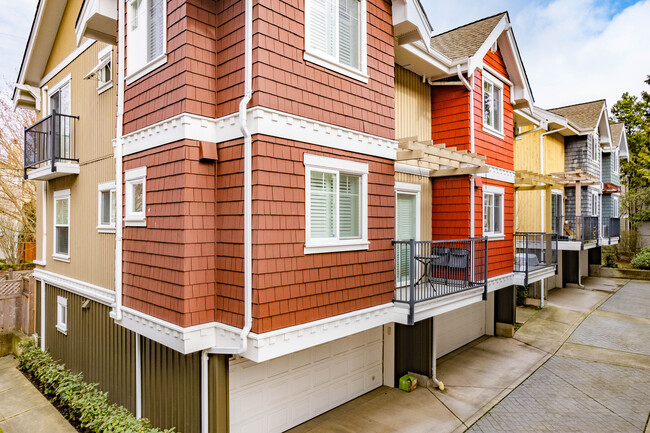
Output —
<point x="457" y="328"/>
<point x="276" y="395"/>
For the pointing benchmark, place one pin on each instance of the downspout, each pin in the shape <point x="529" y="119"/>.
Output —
<point x="117" y="311"/>
<point x="470" y="87"/>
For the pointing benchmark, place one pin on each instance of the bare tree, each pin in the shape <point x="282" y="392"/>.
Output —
<point x="17" y="195"/>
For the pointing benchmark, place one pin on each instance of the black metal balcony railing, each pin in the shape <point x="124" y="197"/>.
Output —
<point x="535" y="251"/>
<point x="612" y="228"/>
<point x="582" y="229"/>
<point x="426" y="270"/>
<point x="50" y="140"/>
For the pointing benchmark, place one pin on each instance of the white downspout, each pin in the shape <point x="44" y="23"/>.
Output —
<point x="43" y="315"/>
<point x="117" y="311"/>
<point x="43" y="261"/>
<point x="204" y="392"/>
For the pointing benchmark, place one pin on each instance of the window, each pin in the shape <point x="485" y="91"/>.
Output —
<point x="492" y="211"/>
<point x="335" y="36"/>
<point x="594" y="204"/>
<point x="135" y="196"/>
<point x="103" y="71"/>
<point x="595" y="147"/>
<point x="146" y="37"/>
<point x="62" y="314"/>
<point x="59" y="102"/>
<point x="615" y="161"/>
<point x="336" y="197"/>
<point x="615" y="207"/>
<point x="106" y="207"/>
<point x="492" y="104"/>
<point x="62" y="225"/>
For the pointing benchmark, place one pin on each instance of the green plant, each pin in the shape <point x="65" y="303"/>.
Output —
<point x="642" y="259"/>
<point x="629" y="242"/>
<point x="522" y="294"/>
<point x="81" y="402"/>
<point x="609" y="257"/>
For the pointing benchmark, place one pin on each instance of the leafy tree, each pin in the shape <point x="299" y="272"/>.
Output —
<point x="635" y="173"/>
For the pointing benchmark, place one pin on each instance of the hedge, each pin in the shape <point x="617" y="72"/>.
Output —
<point x="81" y="402"/>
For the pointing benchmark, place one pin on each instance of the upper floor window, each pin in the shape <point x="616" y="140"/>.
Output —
<point x="594" y="204"/>
<point x="336" y="196"/>
<point x="492" y="104"/>
<point x="106" y="207"/>
<point x="135" y="196"/>
<point x="492" y="211"/>
<point x="615" y="207"/>
<point x="335" y="35"/>
<point x="615" y="161"/>
<point x="146" y="36"/>
<point x="103" y="71"/>
<point x="62" y="225"/>
<point x="595" y="147"/>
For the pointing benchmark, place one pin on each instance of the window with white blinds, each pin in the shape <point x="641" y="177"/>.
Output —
<point x="335" y="34"/>
<point x="146" y="35"/>
<point x="336" y="204"/>
<point x="492" y="104"/>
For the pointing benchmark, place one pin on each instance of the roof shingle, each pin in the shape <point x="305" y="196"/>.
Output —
<point x="584" y="116"/>
<point x="465" y="41"/>
<point x="617" y="132"/>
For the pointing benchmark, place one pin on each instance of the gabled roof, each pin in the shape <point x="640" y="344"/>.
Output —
<point x="617" y="131"/>
<point x="586" y="115"/>
<point x="466" y="40"/>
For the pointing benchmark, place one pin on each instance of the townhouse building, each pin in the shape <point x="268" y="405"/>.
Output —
<point x="251" y="212"/>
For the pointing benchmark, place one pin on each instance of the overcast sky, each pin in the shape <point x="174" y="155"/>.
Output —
<point x="573" y="50"/>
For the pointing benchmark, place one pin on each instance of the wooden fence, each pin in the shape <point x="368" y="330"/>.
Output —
<point x="17" y="302"/>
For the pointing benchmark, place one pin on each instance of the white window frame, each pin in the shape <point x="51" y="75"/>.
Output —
<point x="104" y="60"/>
<point x="615" y="161"/>
<point x="616" y="210"/>
<point x="494" y="190"/>
<point x="134" y="177"/>
<point x="594" y="204"/>
<point x="333" y="63"/>
<point x="142" y="69"/>
<point x="108" y="187"/>
<point x="338" y="166"/>
<point x="410" y="189"/>
<point x="60" y="195"/>
<point x="67" y="80"/>
<point x="62" y="314"/>
<point x="595" y="144"/>
<point x="495" y="82"/>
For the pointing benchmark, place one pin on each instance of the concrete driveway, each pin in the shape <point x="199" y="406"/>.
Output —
<point x="477" y="376"/>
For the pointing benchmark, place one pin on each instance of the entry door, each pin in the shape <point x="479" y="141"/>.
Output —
<point x="405" y="229"/>
<point x="60" y="101"/>
<point x="556" y="213"/>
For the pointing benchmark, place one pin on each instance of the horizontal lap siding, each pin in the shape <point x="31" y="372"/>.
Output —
<point x="500" y="252"/>
<point x="292" y="287"/>
<point x="450" y="116"/>
<point x="450" y="217"/>
<point x="169" y="264"/>
<point x="284" y="81"/>
<point x="187" y="82"/>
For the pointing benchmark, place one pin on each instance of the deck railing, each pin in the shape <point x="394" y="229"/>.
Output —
<point x="582" y="229"/>
<point x="426" y="270"/>
<point x="612" y="228"/>
<point x="535" y="251"/>
<point x="50" y="140"/>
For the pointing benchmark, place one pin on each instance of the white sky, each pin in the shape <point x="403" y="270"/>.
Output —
<point x="573" y="50"/>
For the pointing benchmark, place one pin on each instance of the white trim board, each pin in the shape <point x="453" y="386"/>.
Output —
<point x="81" y="288"/>
<point x="264" y="121"/>
<point x="500" y="174"/>
<point x="500" y="282"/>
<point x="65" y="62"/>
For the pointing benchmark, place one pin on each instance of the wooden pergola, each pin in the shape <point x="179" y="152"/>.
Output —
<point x="530" y="181"/>
<point x="439" y="159"/>
<point x="576" y="177"/>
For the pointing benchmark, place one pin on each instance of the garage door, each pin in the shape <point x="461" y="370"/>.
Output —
<point x="276" y="395"/>
<point x="457" y="328"/>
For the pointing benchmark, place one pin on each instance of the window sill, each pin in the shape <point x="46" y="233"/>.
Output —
<point x="135" y="222"/>
<point x="62" y="330"/>
<point x="144" y="70"/>
<point x="337" y="67"/>
<point x="106" y="229"/>
<point x="493" y="131"/>
<point x="61" y="258"/>
<point x="336" y="248"/>
<point x="495" y="236"/>
<point x="104" y="87"/>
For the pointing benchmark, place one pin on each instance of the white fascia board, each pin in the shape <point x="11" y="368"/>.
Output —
<point x="81" y="288"/>
<point x="498" y="173"/>
<point x="436" y="307"/>
<point x="500" y="282"/>
<point x="408" y="15"/>
<point x="603" y="127"/>
<point x="431" y="62"/>
<point x="412" y="169"/>
<point x="264" y="121"/>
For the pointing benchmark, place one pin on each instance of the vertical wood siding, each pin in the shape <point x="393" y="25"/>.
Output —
<point x="66" y="39"/>
<point x="412" y="105"/>
<point x="219" y="393"/>
<point x="425" y="201"/>
<point x="171" y="387"/>
<point x="94" y="345"/>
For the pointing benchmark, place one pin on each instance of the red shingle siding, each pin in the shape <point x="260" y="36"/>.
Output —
<point x="450" y="218"/>
<point x="282" y="80"/>
<point x="500" y="252"/>
<point x="230" y="55"/>
<point x="292" y="287"/>
<point x="169" y="264"/>
<point x="499" y="151"/>
<point x="186" y="83"/>
<point x="450" y="116"/>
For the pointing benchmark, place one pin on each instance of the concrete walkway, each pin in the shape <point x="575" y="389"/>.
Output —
<point x="476" y="376"/>
<point x="22" y="407"/>
<point x="598" y="380"/>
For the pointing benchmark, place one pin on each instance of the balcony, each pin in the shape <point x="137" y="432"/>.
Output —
<point x="535" y="257"/>
<point x="611" y="231"/>
<point x="50" y="148"/>
<point x="431" y="270"/>
<point x="578" y="232"/>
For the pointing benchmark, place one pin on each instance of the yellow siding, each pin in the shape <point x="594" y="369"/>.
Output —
<point x="425" y="201"/>
<point x="66" y="40"/>
<point x="529" y="209"/>
<point x="553" y="153"/>
<point x="527" y="150"/>
<point x="412" y="105"/>
<point x="92" y="254"/>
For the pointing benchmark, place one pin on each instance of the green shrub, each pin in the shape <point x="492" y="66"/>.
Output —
<point x="642" y="259"/>
<point x="81" y="402"/>
<point x="522" y="294"/>
<point x="609" y="258"/>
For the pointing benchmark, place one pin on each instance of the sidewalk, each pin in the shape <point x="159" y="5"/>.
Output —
<point x="476" y="376"/>
<point x="22" y="407"/>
